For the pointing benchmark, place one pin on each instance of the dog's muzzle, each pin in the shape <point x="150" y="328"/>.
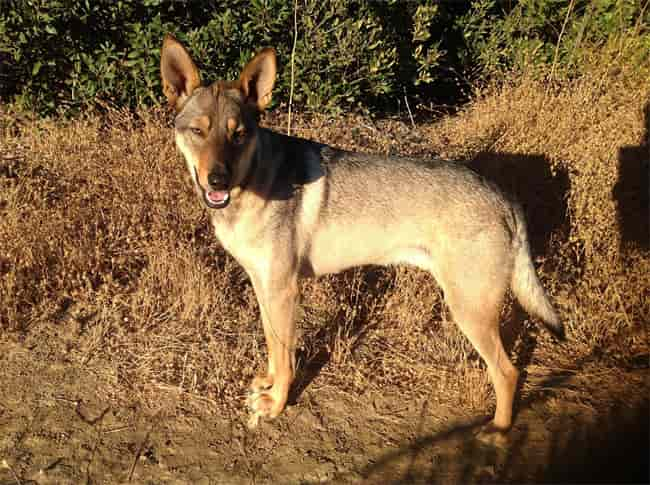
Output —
<point x="214" y="199"/>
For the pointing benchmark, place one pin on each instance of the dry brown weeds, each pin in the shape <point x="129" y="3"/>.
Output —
<point x="105" y="253"/>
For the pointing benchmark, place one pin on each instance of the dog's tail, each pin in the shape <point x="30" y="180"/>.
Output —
<point x="525" y="283"/>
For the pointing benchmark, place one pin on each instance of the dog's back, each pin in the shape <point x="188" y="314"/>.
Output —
<point x="368" y="209"/>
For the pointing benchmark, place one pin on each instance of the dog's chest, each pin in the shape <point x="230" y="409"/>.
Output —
<point x="242" y="239"/>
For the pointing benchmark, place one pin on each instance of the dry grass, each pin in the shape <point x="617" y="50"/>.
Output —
<point x="106" y="255"/>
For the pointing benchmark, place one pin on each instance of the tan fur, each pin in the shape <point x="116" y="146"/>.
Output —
<point x="295" y="208"/>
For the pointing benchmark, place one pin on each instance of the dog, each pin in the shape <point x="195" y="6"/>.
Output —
<point x="287" y="208"/>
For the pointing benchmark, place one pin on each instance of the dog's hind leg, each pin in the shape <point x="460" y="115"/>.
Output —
<point x="482" y="329"/>
<point x="475" y="297"/>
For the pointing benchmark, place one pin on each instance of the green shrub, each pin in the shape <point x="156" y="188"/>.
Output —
<point x="65" y="54"/>
<point x="555" y="34"/>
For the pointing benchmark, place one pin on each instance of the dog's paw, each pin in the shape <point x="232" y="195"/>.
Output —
<point x="492" y="435"/>
<point x="261" y="384"/>
<point x="263" y="401"/>
<point x="261" y="405"/>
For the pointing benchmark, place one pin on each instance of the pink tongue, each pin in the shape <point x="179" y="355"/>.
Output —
<point x="217" y="195"/>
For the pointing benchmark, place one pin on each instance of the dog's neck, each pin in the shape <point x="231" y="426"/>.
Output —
<point x="277" y="169"/>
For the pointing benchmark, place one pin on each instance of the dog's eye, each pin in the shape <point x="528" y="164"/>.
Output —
<point x="196" y="131"/>
<point x="238" y="137"/>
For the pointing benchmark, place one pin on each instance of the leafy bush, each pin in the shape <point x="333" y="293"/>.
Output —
<point x="559" y="34"/>
<point x="63" y="55"/>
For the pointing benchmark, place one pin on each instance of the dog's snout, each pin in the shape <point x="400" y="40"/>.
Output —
<point x="218" y="179"/>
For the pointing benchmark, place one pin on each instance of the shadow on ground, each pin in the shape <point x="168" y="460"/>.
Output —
<point x="612" y="449"/>
<point x="373" y="282"/>
<point x="555" y="439"/>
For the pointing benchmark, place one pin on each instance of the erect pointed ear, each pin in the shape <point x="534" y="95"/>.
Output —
<point x="258" y="77"/>
<point x="179" y="74"/>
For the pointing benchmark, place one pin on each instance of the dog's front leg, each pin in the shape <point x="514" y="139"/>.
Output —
<point x="277" y="301"/>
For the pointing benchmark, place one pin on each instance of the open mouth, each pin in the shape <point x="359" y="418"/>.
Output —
<point x="216" y="199"/>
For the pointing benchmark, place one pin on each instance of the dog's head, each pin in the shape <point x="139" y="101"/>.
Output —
<point x="215" y="125"/>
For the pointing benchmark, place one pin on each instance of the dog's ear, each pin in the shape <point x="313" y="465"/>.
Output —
<point x="258" y="77"/>
<point x="178" y="72"/>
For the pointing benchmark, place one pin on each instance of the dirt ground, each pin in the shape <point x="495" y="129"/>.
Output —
<point x="56" y="428"/>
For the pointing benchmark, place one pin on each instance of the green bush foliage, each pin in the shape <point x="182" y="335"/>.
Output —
<point x="560" y="34"/>
<point x="64" y="55"/>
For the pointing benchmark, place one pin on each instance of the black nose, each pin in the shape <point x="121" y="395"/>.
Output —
<point x="217" y="180"/>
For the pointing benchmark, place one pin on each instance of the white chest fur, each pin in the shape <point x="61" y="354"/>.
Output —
<point x="243" y="240"/>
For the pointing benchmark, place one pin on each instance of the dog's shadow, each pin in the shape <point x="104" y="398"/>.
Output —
<point x="373" y="282"/>
<point x="632" y="192"/>
<point x="542" y="191"/>
<point x="540" y="187"/>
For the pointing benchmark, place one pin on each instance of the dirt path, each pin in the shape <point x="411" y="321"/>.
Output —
<point x="57" y="427"/>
